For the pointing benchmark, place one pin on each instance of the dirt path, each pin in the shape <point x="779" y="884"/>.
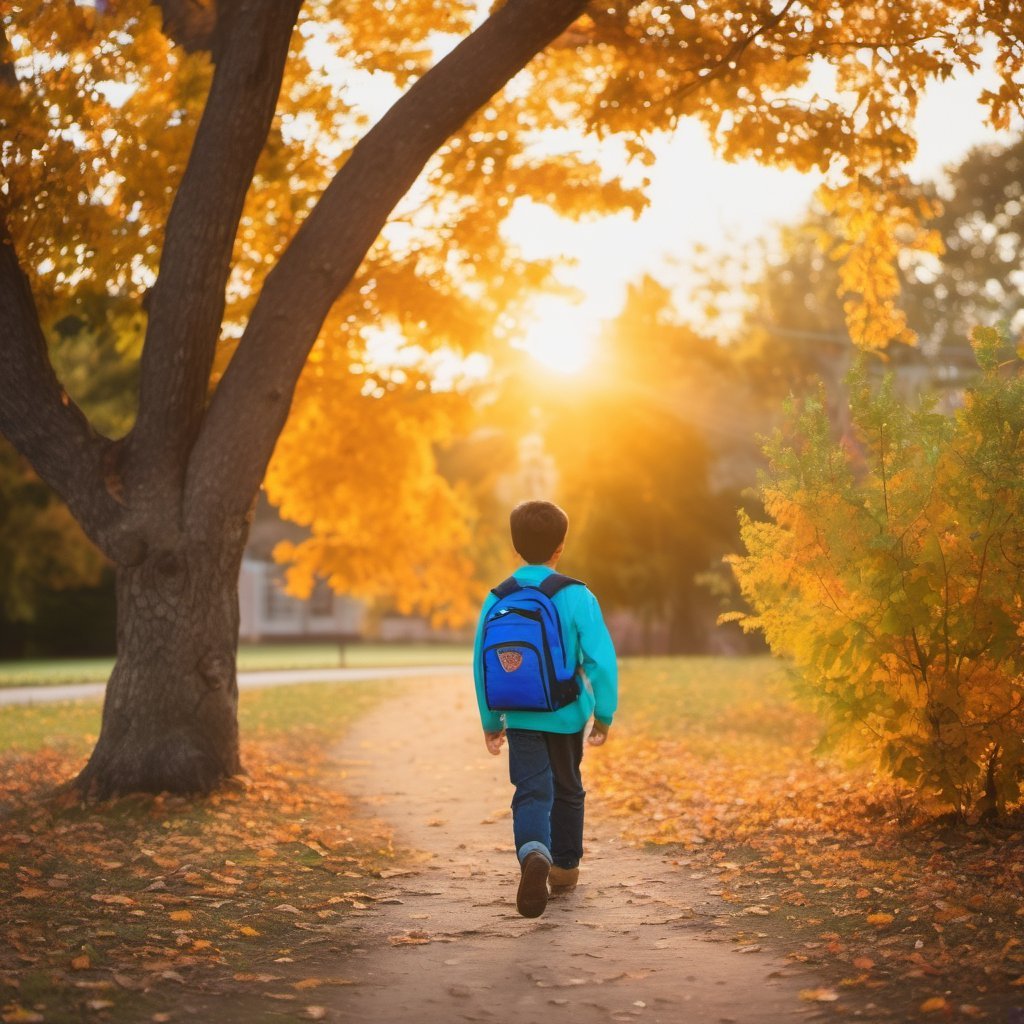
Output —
<point x="639" y="940"/>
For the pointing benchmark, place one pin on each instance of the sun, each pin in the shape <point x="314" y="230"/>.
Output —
<point x="561" y="336"/>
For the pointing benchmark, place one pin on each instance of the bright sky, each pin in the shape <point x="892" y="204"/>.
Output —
<point x="696" y="197"/>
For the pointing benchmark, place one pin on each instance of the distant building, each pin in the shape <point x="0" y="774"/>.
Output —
<point x="267" y="612"/>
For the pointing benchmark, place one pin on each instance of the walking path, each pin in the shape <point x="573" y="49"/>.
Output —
<point x="639" y="940"/>
<point x="246" y="681"/>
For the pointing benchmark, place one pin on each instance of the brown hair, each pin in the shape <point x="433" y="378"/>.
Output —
<point x="538" y="527"/>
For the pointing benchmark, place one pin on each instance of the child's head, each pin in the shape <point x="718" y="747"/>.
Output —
<point x="538" y="530"/>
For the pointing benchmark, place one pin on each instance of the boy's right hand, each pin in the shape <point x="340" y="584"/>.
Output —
<point x="494" y="741"/>
<point x="598" y="734"/>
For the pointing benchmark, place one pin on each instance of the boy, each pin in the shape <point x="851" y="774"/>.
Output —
<point x="545" y="748"/>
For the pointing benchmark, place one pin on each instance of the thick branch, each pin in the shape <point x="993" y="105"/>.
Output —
<point x="187" y="303"/>
<point x="41" y="421"/>
<point x="190" y="23"/>
<point x="251" y="403"/>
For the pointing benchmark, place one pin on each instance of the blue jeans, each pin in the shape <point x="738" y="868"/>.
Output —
<point x="547" y="808"/>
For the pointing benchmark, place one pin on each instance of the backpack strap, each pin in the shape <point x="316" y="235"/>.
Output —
<point x="506" y="587"/>
<point x="551" y="585"/>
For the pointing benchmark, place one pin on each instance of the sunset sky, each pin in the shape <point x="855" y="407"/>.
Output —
<point x="695" y="198"/>
<point x="698" y="198"/>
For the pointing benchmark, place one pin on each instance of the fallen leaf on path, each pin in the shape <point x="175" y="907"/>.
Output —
<point x="934" y="1005"/>
<point x="413" y="938"/>
<point x="19" y="1015"/>
<point x="880" y="919"/>
<point x="819" y="995"/>
<point x="315" y="1012"/>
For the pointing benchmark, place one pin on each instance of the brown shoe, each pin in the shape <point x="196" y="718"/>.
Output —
<point x="532" y="897"/>
<point x="562" y="879"/>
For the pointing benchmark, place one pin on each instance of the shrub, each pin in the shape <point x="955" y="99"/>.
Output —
<point x="890" y="572"/>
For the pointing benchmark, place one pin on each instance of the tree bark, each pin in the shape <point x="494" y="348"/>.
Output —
<point x="253" y="397"/>
<point x="186" y="305"/>
<point x="170" y="503"/>
<point x="170" y="713"/>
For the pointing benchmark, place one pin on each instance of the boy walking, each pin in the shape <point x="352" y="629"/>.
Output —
<point x="545" y="747"/>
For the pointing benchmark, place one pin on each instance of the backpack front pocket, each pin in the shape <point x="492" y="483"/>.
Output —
<point x="515" y="678"/>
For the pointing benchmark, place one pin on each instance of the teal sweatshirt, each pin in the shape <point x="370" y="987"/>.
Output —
<point x="587" y="644"/>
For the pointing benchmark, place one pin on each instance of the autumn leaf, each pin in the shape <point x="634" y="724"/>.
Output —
<point x="880" y="919"/>
<point x="410" y="938"/>
<point x="32" y="893"/>
<point x="19" y="1015"/>
<point x="819" y="995"/>
<point x="935" y="1004"/>
<point x="181" y="915"/>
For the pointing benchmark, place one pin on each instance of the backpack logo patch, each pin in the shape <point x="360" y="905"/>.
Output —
<point x="510" y="659"/>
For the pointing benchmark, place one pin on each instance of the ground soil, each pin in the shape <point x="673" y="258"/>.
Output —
<point x="639" y="939"/>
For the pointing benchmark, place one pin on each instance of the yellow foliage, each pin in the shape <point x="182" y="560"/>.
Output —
<point x="99" y="127"/>
<point x="355" y="464"/>
<point x="889" y="571"/>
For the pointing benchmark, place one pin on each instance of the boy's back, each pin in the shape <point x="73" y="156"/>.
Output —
<point x="587" y="644"/>
<point x="546" y="747"/>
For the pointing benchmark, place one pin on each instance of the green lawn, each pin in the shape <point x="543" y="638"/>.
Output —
<point x="72" y="727"/>
<point x="251" y="658"/>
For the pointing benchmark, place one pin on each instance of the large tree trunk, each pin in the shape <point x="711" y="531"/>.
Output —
<point x="194" y="458"/>
<point x="169" y="718"/>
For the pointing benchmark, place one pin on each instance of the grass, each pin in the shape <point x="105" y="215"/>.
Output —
<point x="251" y="658"/>
<point x="714" y="765"/>
<point x="119" y="912"/>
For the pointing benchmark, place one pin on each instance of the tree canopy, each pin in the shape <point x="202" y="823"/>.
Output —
<point x="223" y="173"/>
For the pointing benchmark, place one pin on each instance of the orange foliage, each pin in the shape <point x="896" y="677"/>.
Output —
<point x="811" y="850"/>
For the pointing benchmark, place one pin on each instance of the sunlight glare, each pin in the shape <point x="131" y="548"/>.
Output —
<point x="561" y="336"/>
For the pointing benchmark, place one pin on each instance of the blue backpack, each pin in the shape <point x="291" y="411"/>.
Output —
<point x="524" y="660"/>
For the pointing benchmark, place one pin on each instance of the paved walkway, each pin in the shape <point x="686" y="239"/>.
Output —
<point x="246" y="681"/>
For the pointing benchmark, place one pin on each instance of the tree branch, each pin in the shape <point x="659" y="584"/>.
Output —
<point x="190" y="23"/>
<point x="251" y="403"/>
<point x="41" y="421"/>
<point x="187" y="303"/>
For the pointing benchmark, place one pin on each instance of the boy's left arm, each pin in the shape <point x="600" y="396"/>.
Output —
<point x="597" y="655"/>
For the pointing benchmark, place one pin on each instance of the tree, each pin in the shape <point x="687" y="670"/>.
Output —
<point x="976" y="281"/>
<point x="794" y="332"/>
<point x="134" y="167"/>
<point x="891" y="575"/>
